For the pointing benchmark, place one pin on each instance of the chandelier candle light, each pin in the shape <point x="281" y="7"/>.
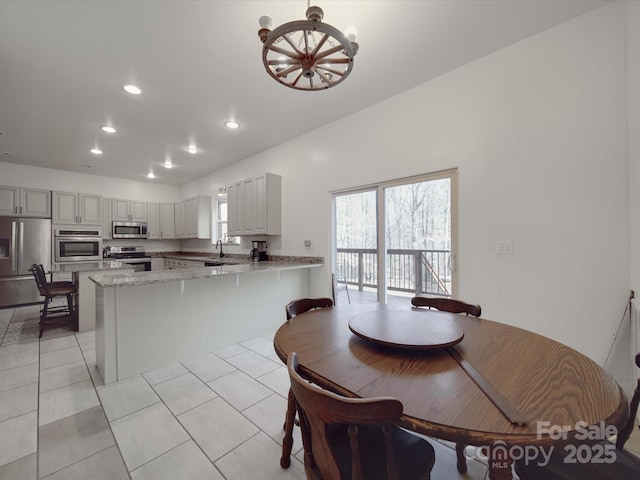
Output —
<point x="307" y="54"/>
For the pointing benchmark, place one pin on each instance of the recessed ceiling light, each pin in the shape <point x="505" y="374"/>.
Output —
<point x="96" y="151"/>
<point x="168" y="164"/>
<point x="132" y="89"/>
<point x="192" y="149"/>
<point x="232" y="124"/>
<point x="150" y="175"/>
<point x="108" y="129"/>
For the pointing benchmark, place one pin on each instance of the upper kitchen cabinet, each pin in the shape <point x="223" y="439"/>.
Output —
<point x="25" y="202"/>
<point x="255" y="206"/>
<point x="153" y="220"/>
<point x="77" y="208"/>
<point x="128" y="210"/>
<point x="167" y="220"/>
<point x="106" y="218"/>
<point x="193" y="217"/>
<point x="160" y="220"/>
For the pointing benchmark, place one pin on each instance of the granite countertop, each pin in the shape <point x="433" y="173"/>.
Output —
<point x="163" y="276"/>
<point x="227" y="260"/>
<point x="97" y="266"/>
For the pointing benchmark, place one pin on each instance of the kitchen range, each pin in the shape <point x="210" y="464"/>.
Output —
<point x="134" y="257"/>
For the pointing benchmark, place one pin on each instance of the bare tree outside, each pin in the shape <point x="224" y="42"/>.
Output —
<point x="417" y="235"/>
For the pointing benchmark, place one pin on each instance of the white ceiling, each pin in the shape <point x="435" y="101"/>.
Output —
<point x="63" y="65"/>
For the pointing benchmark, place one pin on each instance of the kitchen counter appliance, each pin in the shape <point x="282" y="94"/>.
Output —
<point x="23" y="242"/>
<point x="259" y="251"/>
<point x="132" y="256"/>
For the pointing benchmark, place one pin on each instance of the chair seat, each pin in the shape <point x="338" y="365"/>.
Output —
<point x="57" y="290"/>
<point x="626" y="465"/>
<point x="414" y="456"/>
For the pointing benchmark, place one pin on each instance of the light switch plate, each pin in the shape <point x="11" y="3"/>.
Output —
<point x="504" y="247"/>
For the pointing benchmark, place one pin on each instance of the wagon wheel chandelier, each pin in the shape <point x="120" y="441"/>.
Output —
<point x="307" y="54"/>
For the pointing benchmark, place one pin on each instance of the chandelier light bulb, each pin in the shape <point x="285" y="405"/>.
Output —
<point x="351" y="34"/>
<point x="266" y="21"/>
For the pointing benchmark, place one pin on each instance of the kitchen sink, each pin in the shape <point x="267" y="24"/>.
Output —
<point x="213" y="263"/>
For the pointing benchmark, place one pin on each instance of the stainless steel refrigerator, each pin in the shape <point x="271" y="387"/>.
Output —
<point x="23" y="242"/>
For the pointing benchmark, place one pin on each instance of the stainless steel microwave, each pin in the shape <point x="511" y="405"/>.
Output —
<point x="129" y="230"/>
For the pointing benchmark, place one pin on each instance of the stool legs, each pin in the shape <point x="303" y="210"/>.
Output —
<point x="49" y="313"/>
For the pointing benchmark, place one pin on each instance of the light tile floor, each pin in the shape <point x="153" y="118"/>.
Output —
<point x="217" y="416"/>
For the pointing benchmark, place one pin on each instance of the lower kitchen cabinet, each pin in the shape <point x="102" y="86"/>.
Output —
<point x="157" y="264"/>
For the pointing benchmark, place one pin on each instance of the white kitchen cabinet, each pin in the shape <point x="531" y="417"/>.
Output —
<point x="157" y="264"/>
<point x="167" y="220"/>
<point x="235" y="209"/>
<point x="25" y="202"/>
<point x="106" y="218"/>
<point x="128" y="210"/>
<point x="193" y="217"/>
<point x="160" y="221"/>
<point x="153" y="221"/>
<point x="255" y="206"/>
<point x="77" y="208"/>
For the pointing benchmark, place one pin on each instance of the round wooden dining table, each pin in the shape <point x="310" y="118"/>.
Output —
<point x="463" y="393"/>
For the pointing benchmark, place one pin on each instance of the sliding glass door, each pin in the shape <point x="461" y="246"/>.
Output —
<point x="356" y="246"/>
<point x="406" y="226"/>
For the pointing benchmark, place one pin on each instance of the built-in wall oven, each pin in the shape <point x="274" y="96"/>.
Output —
<point x="77" y="244"/>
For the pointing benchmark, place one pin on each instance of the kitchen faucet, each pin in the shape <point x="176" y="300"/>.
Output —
<point x="219" y="242"/>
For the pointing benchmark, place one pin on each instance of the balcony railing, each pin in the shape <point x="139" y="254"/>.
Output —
<point x="412" y="271"/>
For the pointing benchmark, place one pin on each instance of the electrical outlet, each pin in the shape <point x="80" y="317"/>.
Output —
<point x="307" y="243"/>
<point x="504" y="247"/>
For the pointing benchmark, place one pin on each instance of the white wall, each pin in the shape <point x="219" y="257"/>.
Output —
<point x="632" y="16"/>
<point x="17" y="175"/>
<point x="538" y="134"/>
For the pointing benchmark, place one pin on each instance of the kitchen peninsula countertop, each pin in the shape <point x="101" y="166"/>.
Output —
<point x="163" y="276"/>
<point x="97" y="266"/>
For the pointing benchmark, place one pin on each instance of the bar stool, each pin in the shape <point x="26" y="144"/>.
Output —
<point x="55" y="314"/>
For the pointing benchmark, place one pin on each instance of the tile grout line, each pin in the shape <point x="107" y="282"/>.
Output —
<point x="102" y="407"/>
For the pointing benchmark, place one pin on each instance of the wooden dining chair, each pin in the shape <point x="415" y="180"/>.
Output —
<point x="592" y="461"/>
<point x="296" y="307"/>
<point x="453" y="306"/>
<point x="447" y="305"/>
<point x="302" y="305"/>
<point x="355" y="438"/>
<point x="55" y="314"/>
